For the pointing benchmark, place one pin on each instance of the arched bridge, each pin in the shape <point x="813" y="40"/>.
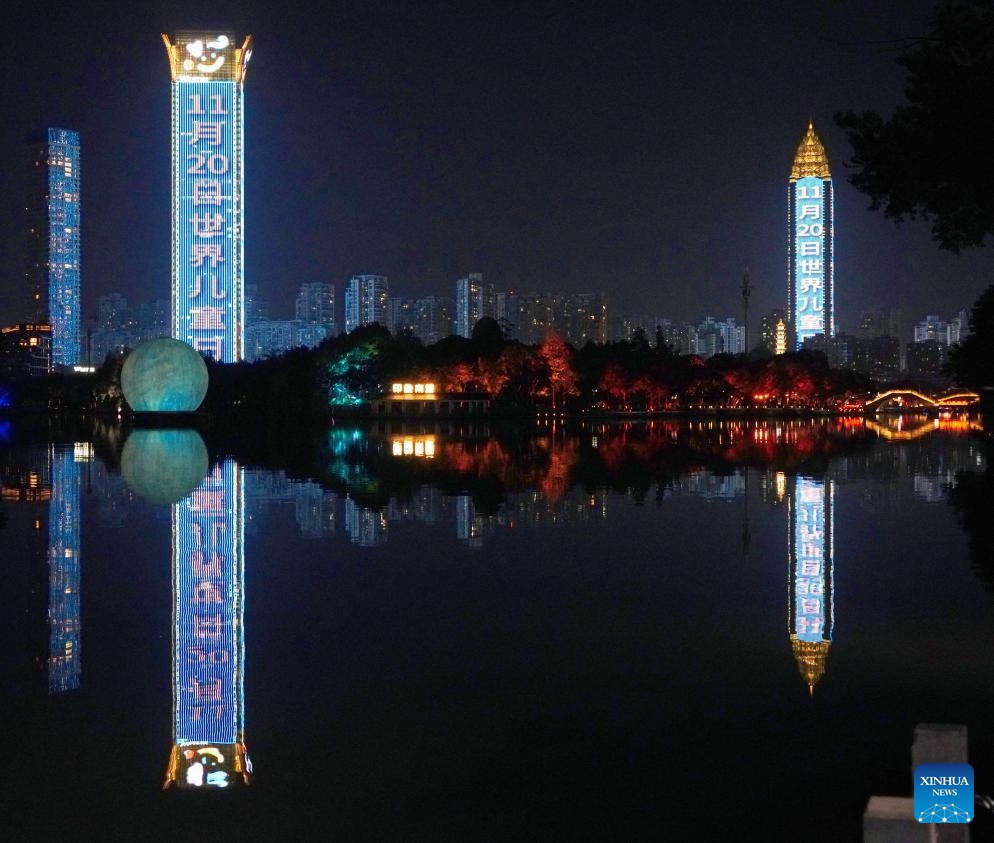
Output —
<point x="913" y="399"/>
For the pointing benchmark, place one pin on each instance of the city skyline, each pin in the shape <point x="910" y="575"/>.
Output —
<point x="627" y="154"/>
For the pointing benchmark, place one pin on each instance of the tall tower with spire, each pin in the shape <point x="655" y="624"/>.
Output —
<point x="810" y="243"/>
<point x="208" y="191"/>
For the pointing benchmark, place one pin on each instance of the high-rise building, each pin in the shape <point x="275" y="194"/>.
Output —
<point x="474" y="300"/>
<point x="810" y="243"/>
<point x="771" y="325"/>
<point x="315" y="305"/>
<point x="367" y="300"/>
<point x="433" y="318"/>
<point x="207" y="147"/>
<point x="53" y="272"/>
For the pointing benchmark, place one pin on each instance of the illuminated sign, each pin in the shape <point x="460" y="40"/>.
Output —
<point x="810" y="233"/>
<point x="812" y="560"/>
<point x="208" y="633"/>
<point x="207" y="148"/>
<point x="413" y="390"/>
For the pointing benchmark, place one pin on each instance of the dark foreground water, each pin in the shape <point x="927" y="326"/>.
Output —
<point x="670" y="631"/>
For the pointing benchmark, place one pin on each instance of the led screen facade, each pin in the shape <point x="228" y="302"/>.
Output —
<point x="208" y="187"/>
<point x="208" y="633"/>
<point x="811" y="560"/>
<point x="812" y="263"/>
<point x="810" y="244"/>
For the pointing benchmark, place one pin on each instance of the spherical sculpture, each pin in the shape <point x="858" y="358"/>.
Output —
<point x="164" y="466"/>
<point x="164" y="376"/>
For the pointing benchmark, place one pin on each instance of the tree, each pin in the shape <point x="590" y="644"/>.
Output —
<point x="930" y="159"/>
<point x="557" y="356"/>
<point x="972" y="361"/>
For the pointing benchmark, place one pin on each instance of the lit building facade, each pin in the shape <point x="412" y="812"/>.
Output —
<point x="367" y="300"/>
<point x="810" y="573"/>
<point x="53" y="275"/>
<point x="208" y="557"/>
<point x="810" y="243"/>
<point x="315" y="305"/>
<point x="474" y="300"/>
<point x="207" y="149"/>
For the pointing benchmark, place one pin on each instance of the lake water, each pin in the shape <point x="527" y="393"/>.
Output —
<point x="685" y="629"/>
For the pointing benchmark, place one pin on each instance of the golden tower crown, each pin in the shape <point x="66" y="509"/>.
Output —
<point x="810" y="159"/>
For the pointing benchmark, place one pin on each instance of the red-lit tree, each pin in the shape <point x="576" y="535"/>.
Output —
<point x="558" y="359"/>
<point x="614" y="383"/>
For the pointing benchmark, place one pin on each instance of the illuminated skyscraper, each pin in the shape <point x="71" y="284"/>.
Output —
<point x="810" y="574"/>
<point x="474" y="300"/>
<point x="53" y="259"/>
<point x="208" y="190"/>
<point x="810" y="243"/>
<point x="367" y="301"/>
<point x="209" y="634"/>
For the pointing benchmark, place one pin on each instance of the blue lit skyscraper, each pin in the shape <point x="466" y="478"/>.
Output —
<point x="810" y="243"/>
<point x="54" y="260"/>
<point x="208" y="192"/>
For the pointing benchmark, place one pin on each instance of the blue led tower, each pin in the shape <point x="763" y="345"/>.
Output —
<point x="209" y="634"/>
<point x="208" y="189"/>
<point x="810" y="243"/>
<point x="811" y="574"/>
<point x="54" y="261"/>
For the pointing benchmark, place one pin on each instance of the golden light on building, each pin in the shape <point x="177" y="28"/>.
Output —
<point x="414" y="446"/>
<point x="413" y="390"/>
<point x="780" y="337"/>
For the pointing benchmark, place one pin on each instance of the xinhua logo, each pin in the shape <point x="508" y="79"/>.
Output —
<point x="944" y="793"/>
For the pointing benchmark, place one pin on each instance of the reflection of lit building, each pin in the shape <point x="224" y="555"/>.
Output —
<point x="811" y="561"/>
<point x="365" y="527"/>
<point x="810" y="239"/>
<point x="63" y="570"/>
<point x="208" y="560"/>
<point x="414" y="446"/>
<point x="208" y="192"/>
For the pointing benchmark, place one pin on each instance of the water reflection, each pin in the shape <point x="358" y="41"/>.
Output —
<point x="811" y="572"/>
<point x="586" y="582"/>
<point x="164" y="466"/>
<point x="64" y="566"/>
<point x="208" y="559"/>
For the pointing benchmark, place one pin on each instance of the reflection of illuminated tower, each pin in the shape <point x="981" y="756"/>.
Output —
<point x="209" y="634"/>
<point x="63" y="572"/>
<point x="208" y="190"/>
<point x="810" y="548"/>
<point x="810" y="243"/>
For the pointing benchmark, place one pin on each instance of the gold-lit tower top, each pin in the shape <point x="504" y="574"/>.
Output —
<point x="207" y="57"/>
<point x="810" y="657"/>
<point x="810" y="159"/>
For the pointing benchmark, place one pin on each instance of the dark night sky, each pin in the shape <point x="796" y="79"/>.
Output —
<point x="637" y="148"/>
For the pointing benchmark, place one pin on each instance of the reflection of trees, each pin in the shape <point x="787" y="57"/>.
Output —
<point x="627" y="458"/>
<point x="972" y="497"/>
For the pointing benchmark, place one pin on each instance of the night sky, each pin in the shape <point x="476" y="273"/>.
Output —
<point x="639" y="149"/>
